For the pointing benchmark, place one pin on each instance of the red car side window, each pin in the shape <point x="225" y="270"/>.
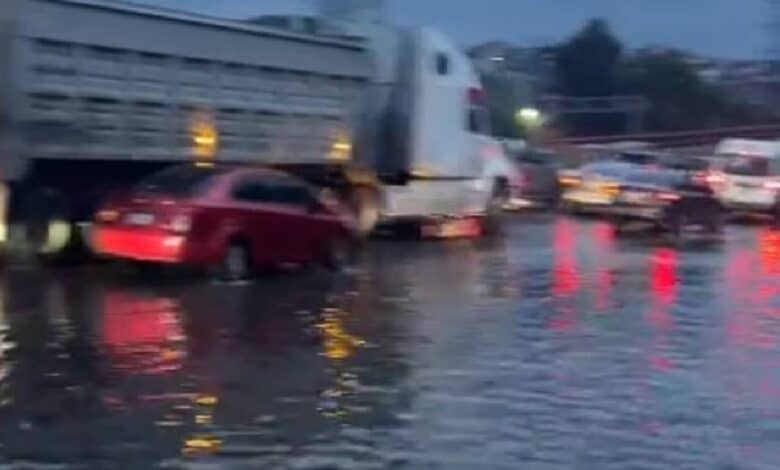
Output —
<point x="272" y="191"/>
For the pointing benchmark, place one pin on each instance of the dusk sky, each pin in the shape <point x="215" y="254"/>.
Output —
<point x="724" y="28"/>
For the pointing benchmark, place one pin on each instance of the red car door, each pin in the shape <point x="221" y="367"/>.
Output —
<point x="255" y="217"/>
<point x="292" y="201"/>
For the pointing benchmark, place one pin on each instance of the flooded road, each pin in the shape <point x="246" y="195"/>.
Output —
<point x="555" y="347"/>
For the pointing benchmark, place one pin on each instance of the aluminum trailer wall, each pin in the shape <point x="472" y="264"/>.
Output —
<point x="108" y="81"/>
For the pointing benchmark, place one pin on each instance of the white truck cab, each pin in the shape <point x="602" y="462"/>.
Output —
<point x="751" y="175"/>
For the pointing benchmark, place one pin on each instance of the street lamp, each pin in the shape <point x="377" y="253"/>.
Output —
<point x="528" y="116"/>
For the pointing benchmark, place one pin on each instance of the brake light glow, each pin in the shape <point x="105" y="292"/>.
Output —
<point x="107" y="216"/>
<point x="569" y="181"/>
<point x="715" y="178"/>
<point x="668" y="197"/>
<point x="774" y="185"/>
<point x="180" y="223"/>
<point x="477" y="97"/>
<point x="520" y="179"/>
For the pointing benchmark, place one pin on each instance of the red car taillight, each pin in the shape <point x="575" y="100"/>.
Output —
<point x="715" y="178"/>
<point x="180" y="223"/>
<point x="107" y="216"/>
<point x="520" y="179"/>
<point x="773" y="185"/>
<point x="667" y="197"/>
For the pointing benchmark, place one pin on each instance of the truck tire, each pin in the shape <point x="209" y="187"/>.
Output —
<point x="776" y="216"/>
<point x="715" y="222"/>
<point x="48" y="231"/>
<point x="494" y="212"/>
<point x="364" y="204"/>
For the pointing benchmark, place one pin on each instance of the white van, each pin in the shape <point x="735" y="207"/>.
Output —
<point x="751" y="175"/>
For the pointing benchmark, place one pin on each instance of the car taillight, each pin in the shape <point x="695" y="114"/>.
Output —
<point x="181" y="223"/>
<point x="521" y="178"/>
<point x="667" y="197"/>
<point x="715" y="178"/>
<point x="569" y="181"/>
<point x="107" y="216"/>
<point x="773" y="185"/>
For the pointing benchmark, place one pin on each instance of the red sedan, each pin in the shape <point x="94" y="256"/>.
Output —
<point x="231" y="218"/>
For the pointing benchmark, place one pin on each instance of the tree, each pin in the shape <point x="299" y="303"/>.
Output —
<point x="678" y="98"/>
<point x="586" y="65"/>
<point x="502" y="106"/>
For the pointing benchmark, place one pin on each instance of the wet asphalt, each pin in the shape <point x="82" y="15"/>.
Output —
<point x="554" y="346"/>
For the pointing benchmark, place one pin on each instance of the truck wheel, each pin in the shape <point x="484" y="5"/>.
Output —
<point x="776" y="216"/>
<point x="619" y="225"/>
<point x="364" y="203"/>
<point x="48" y="230"/>
<point x="494" y="212"/>
<point x="715" y="223"/>
<point x="676" y="225"/>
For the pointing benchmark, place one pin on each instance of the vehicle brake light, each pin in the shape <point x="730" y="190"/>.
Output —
<point x="715" y="178"/>
<point x="181" y="223"/>
<point x="107" y="216"/>
<point x="477" y="97"/>
<point x="668" y="197"/>
<point x="774" y="185"/>
<point x="520" y="179"/>
<point x="569" y="181"/>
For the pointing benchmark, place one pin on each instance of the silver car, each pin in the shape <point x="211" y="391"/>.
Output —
<point x="596" y="186"/>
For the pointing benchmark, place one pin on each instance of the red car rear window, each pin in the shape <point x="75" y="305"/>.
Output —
<point x="182" y="180"/>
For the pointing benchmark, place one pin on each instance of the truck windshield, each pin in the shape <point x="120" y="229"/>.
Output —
<point x="748" y="166"/>
<point x="178" y="181"/>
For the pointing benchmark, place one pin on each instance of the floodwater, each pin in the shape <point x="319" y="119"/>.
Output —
<point x="555" y="347"/>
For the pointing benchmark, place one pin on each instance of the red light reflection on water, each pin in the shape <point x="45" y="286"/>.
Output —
<point x="769" y="244"/>
<point x="565" y="276"/>
<point x="142" y="334"/>
<point x="605" y="243"/>
<point x="566" y="279"/>
<point x="664" y="276"/>
<point x="753" y="285"/>
<point x="663" y="279"/>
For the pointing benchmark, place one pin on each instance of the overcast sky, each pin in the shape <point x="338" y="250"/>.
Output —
<point x="724" y="28"/>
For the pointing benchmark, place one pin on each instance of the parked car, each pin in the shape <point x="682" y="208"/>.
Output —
<point x="595" y="187"/>
<point x="668" y="199"/>
<point x="535" y="182"/>
<point x="232" y="219"/>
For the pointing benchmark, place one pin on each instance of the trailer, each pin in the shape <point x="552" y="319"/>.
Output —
<point x="97" y="94"/>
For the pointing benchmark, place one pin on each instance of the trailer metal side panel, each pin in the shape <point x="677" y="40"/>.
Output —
<point x="11" y="162"/>
<point x="184" y="36"/>
<point x="104" y="81"/>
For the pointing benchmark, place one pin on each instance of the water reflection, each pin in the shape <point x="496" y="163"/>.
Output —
<point x="429" y="355"/>
<point x="566" y="278"/>
<point x="664" y="285"/>
<point x="142" y="334"/>
<point x="604" y="234"/>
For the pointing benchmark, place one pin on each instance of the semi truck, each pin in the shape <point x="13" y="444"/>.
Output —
<point x="97" y="94"/>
